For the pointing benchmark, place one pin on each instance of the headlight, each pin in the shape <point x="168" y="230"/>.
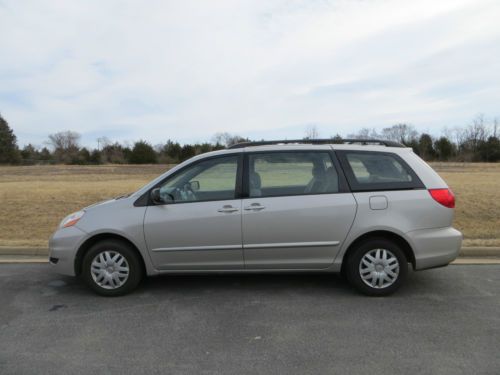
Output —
<point x="72" y="219"/>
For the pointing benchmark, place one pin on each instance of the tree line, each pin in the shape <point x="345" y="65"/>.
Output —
<point x="477" y="142"/>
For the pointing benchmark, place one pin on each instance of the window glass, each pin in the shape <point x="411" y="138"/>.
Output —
<point x="291" y="173"/>
<point x="213" y="179"/>
<point x="373" y="168"/>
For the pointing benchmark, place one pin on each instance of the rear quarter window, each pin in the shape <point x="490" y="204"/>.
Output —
<point x="367" y="171"/>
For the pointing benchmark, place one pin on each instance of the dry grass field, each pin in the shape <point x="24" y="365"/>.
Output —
<point x="477" y="189"/>
<point x="34" y="199"/>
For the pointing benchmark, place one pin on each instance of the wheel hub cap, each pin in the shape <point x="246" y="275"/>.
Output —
<point x="109" y="269"/>
<point x="379" y="268"/>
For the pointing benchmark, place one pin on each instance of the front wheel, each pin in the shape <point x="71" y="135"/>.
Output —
<point x="377" y="267"/>
<point x="112" y="268"/>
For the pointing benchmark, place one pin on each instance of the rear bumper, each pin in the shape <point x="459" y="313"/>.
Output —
<point x="63" y="246"/>
<point x="434" y="247"/>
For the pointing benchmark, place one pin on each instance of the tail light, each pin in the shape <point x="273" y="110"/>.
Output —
<point x="443" y="196"/>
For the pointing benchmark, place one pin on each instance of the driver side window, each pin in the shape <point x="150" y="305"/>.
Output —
<point x="213" y="179"/>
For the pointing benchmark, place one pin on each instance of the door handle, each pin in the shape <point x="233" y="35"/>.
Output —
<point x="254" y="207"/>
<point x="227" y="209"/>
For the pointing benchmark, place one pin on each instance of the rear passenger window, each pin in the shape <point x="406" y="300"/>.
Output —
<point x="291" y="173"/>
<point x="378" y="171"/>
<point x="377" y="168"/>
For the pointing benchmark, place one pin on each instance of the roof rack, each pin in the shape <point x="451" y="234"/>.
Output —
<point x="320" y="142"/>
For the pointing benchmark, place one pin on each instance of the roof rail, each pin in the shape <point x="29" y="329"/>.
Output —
<point x="319" y="142"/>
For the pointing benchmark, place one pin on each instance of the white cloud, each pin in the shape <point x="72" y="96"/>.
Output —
<point x="185" y="70"/>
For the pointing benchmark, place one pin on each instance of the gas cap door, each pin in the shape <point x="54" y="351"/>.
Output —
<point x="378" y="202"/>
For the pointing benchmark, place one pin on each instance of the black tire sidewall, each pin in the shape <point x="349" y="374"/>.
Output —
<point x="352" y="269"/>
<point x="135" y="267"/>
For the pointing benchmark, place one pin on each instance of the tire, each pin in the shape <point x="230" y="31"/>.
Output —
<point x="377" y="267"/>
<point x="112" y="268"/>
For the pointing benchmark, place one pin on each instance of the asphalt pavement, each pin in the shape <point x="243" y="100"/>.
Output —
<point x="443" y="321"/>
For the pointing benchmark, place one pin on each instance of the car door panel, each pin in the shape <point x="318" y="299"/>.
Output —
<point x="299" y="211"/>
<point x="296" y="232"/>
<point x="199" y="226"/>
<point x="193" y="236"/>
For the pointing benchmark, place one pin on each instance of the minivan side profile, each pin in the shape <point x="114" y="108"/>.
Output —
<point x="369" y="209"/>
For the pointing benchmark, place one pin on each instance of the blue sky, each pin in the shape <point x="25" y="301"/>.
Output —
<point x="184" y="70"/>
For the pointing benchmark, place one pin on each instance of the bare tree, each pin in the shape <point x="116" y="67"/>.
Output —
<point x="221" y="138"/>
<point x="402" y="133"/>
<point x="227" y="139"/>
<point x="495" y="127"/>
<point x="65" y="145"/>
<point x="102" y="142"/>
<point x="477" y="131"/>
<point x="472" y="136"/>
<point x="455" y="134"/>
<point x="365" y="133"/>
<point x="312" y="132"/>
<point x="64" y="140"/>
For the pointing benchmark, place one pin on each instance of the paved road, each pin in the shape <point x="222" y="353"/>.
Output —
<point x="444" y="321"/>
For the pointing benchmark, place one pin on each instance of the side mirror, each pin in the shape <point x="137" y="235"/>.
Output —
<point x="194" y="185"/>
<point x="156" y="196"/>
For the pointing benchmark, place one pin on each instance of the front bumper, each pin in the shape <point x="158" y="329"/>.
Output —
<point x="63" y="246"/>
<point x="435" y="247"/>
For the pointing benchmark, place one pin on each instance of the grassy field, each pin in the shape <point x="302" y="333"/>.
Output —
<point x="34" y="199"/>
<point x="477" y="188"/>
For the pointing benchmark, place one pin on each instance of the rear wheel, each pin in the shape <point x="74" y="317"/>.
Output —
<point x="112" y="268"/>
<point x="377" y="267"/>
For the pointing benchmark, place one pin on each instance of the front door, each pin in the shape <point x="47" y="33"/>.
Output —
<point x="199" y="226"/>
<point x="297" y="214"/>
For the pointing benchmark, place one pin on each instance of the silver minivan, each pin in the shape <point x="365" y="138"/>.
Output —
<point x="368" y="209"/>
